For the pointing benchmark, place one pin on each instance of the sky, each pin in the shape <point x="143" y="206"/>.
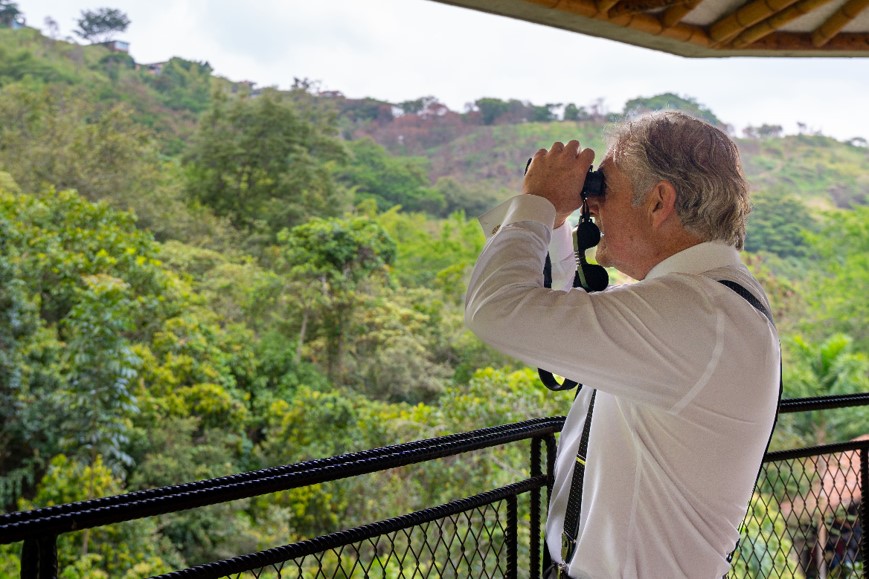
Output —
<point x="396" y="50"/>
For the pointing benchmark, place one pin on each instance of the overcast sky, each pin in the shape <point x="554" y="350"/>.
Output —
<point x="399" y="50"/>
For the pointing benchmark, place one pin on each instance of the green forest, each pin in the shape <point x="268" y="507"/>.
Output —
<point x="199" y="277"/>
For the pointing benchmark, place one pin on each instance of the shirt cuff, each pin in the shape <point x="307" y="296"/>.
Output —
<point x="519" y="208"/>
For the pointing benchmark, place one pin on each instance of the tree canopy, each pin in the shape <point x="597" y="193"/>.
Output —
<point x="101" y="25"/>
<point x="670" y="101"/>
<point x="9" y="12"/>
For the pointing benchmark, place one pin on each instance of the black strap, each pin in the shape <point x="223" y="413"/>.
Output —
<point x="574" y="500"/>
<point x="749" y="297"/>
<point x="546" y="376"/>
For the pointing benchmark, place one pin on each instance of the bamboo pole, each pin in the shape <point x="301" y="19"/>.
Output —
<point x="837" y="21"/>
<point x="776" y="21"/>
<point x="855" y="43"/>
<point x="545" y="3"/>
<point x="747" y="16"/>
<point x="638" y="6"/>
<point x="604" y="6"/>
<point x="674" y="14"/>
<point x="651" y="25"/>
<point x="586" y="8"/>
<point x="643" y="22"/>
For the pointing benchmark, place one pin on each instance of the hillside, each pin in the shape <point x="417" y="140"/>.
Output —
<point x="475" y="150"/>
<point x="820" y="170"/>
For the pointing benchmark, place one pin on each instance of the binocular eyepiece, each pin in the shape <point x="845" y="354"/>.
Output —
<point x="594" y="185"/>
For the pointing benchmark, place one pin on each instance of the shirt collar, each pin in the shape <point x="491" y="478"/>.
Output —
<point x="697" y="259"/>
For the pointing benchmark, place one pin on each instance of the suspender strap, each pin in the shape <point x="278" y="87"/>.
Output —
<point x="569" y="535"/>
<point x="749" y="297"/>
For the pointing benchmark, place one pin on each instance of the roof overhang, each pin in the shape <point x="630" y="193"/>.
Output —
<point x="704" y="28"/>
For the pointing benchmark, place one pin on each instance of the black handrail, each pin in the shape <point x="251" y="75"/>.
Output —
<point x="823" y="402"/>
<point x="81" y="515"/>
<point x="39" y="528"/>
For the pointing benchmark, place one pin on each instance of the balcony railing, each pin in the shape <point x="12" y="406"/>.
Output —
<point x="806" y="520"/>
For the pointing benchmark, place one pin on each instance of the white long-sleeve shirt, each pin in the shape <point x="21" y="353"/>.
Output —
<point x="687" y="374"/>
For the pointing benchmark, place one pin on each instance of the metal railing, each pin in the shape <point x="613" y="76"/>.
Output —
<point x="806" y="519"/>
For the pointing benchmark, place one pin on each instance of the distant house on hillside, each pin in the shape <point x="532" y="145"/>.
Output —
<point x="116" y="45"/>
<point x="14" y="22"/>
<point x="154" y="68"/>
<point x="247" y="86"/>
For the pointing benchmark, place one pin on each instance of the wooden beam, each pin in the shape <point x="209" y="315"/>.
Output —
<point x="604" y="6"/>
<point x="638" y="6"/>
<point x="826" y="31"/>
<point x="793" y="41"/>
<point x="643" y="22"/>
<point x="776" y="21"/>
<point x="743" y="18"/>
<point x="674" y="14"/>
<point x="587" y="8"/>
<point x="651" y="25"/>
<point x="545" y="3"/>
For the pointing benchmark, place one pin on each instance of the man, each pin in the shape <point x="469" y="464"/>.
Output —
<point x="686" y="372"/>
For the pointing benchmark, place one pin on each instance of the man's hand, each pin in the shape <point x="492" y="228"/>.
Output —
<point x="558" y="175"/>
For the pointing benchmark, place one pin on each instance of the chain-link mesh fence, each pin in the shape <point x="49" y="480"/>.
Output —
<point x="805" y="519"/>
<point x="468" y="544"/>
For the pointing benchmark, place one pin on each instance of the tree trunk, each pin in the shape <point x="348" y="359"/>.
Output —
<point x="302" y="331"/>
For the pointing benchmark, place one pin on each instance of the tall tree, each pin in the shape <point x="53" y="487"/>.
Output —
<point x="389" y="180"/>
<point x="669" y="100"/>
<point x="333" y="257"/>
<point x="574" y="113"/>
<point x="257" y="161"/>
<point x="491" y="109"/>
<point x="101" y="25"/>
<point x="9" y="12"/>
<point x="18" y="323"/>
<point x="831" y="367"/>
<point x="777" y="224"/>
<point x="839" y="277"/>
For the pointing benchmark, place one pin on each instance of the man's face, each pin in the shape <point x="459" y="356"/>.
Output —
<point x="624" y="228"/>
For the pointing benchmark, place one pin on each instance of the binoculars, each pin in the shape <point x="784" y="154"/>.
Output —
<point x="594" y="186"/>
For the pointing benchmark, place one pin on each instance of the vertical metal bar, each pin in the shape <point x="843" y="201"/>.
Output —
<point x="39" y="558"/>
<point x="48" y="557"/>
<point x="864" y="507"/>
<point x="29" y="559"/>
<point x="550" y="462"/>
<point x="534" y="555"/>
<point x="550" y="478"/>
<point x="512" y="538"/>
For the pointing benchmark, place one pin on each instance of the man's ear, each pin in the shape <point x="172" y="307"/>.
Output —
<point x="661" y="203"/>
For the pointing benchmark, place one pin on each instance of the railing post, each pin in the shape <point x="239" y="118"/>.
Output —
<point x="39" y="558"/>
<point x="864" y="507"/>
<point x="534" y="556"/>
<point x="29" y="559"/>
<point x="550" y="479"/>
<point x="512" y="538"/>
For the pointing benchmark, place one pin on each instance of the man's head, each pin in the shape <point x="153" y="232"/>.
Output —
<point x="698" y="160"/>
<point x="671" y="182"/>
